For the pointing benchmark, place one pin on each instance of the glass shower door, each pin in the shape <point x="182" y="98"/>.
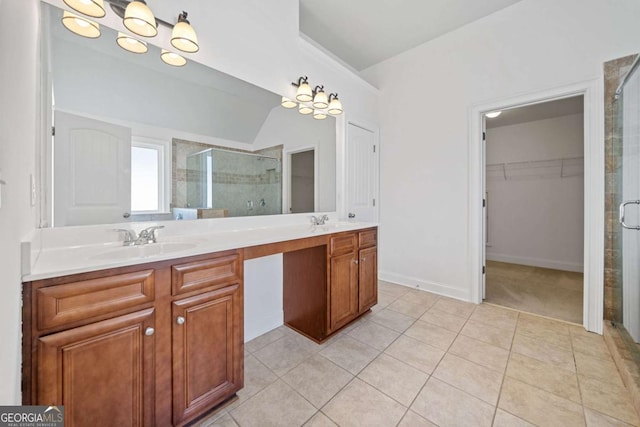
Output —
<point x="628" y="116"/>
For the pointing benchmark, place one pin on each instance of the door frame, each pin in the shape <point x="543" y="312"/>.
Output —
<point x="286" y="170"/>
<point x="593" y="299"/>
<point x="376" y="166"/>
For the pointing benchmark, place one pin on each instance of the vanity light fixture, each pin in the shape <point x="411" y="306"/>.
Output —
<point x="92" y="8"/>
<point x="304" y="92"/>
<point x="132" y="45"/>
<point x="172" y="58"/>
<point x="183" y="36"/>
<point x="305" y="109"/>
<point x="139" y="19"/>
<point x="287" y="103"/>
<point x="319" y="115"/>
<point x="81" y="26"/>
<point x="335" y="106"/>
<point x="493" y="114"/>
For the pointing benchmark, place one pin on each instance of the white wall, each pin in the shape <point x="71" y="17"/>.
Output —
<point x="537" y="220"/>
<point x="426" y="96"/>
<point x="18" y="126"/>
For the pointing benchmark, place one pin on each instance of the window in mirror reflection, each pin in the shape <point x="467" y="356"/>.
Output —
<point x="148" y="177"/>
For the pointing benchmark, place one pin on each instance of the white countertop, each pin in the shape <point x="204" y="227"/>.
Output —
<point x="56" y="260"/>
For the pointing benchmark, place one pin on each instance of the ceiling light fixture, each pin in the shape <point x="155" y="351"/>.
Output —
<point x="493" y="114"/>
<point x="304" y="92"/>
<point x="320" y="100"/>
<point x="183" y="36"/>
<point x="172" y="58"/>
<point x="335" y="105"/>
<point x="305" y="109"/>
<point x="319" y="115"/>
<point x="92" y="8"/>
<point x="132" y="45"/>
<point x="139" y="19"/>
<point x="320" y="106"/>
<point x="81" y="26"/>
<point x="287" y="103"/>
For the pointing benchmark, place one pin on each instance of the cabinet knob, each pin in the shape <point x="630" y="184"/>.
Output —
<point x="355" y="261"/>
<point x="149" y="331"/>
<point x="180" y="320"/>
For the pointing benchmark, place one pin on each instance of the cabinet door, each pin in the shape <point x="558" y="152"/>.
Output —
<point x="208" y="352"/>
<point x="368" y="278"/>
<point x="343" y="298"/>
<point x="102" y="373"/>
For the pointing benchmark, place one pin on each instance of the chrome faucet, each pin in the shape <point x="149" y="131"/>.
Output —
<point x="146" y="236"/>
<point x="319" y="220"/>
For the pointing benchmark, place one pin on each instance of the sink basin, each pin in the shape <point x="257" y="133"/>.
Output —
<point x="142" y="251"/>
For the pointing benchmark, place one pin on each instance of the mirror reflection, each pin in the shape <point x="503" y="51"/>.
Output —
<point x="136" y="139"/>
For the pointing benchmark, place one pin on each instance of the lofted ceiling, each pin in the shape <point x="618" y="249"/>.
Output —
<point x="362" y="33"/>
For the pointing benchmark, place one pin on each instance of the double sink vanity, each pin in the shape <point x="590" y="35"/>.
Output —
<point x="153" y="334"/>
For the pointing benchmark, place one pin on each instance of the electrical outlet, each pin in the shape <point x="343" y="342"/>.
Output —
<point x="33" y="189"/>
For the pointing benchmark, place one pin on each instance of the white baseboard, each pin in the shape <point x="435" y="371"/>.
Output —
<point x="536" y="262"/>
<point x="254" y="327"/>
<point x="436" y="288"/>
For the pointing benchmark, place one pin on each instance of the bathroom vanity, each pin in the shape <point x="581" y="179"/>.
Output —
<point x="160" y="341"/>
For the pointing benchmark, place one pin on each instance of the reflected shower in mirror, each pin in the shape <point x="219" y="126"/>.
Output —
<point x="109" y="102"/>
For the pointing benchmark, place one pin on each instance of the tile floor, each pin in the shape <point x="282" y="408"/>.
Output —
<point x="423" y="360"/>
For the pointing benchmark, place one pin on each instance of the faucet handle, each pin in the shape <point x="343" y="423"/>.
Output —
<point x="129" y="235"/>
<point x="149" y="233"/>
<point x="314" y="220"/>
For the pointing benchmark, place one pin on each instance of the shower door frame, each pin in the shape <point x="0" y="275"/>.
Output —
<point x="592" y="91"/>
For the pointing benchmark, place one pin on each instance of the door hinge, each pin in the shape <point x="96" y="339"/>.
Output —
<point x="374" y="148"/>
<point x="484" y="203"/>
<point x="374" y="202"/>
<point x="484" y="136"/>
<point x="53" y="131"/>
<point x="483" y="269"/>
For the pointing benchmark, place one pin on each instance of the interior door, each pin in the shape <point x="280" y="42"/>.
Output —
<point x="92" y="171"/>
<point x="630" y="206"/>
<point x="362" y="173"/>
<point x="485" y="208"/>
<point x="302" y="182"/>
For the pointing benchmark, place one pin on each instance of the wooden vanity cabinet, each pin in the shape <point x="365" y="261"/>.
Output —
<point x="109" y="347"/>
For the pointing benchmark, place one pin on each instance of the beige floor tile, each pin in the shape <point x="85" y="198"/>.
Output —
<point x="359" y="404"/>
<point x="537" y="325"/>
<point x="445" y="405"/>
<point x="350" y="354"/>
<point x="479" y="381"/>
<point x="411" y="419"/>
<point x="384" y="299"/>
<point x="538" y="406"/>
<point x="547" y="377"/>
<point x="407" y="308"/>
<point x="444" y="319"/>
<point x="597" y="419"/>
<point x="264" y="340"/>
<point x="421" y="356"/>
<point x="256" y="377"/>
<point x="479" y="352"/>
<point x="392" y="288"/>
<point x="320" y="420"/>
<point x="431" y="334"/>
<point x="224" y="421"/>
<point x="392" y="320"/>
<point x="277" y="405"/>
<point x="317" y="379"/>
<point x="603" y="370"/>
<point x="282" y="355"/>
<point x="505" y="419"/>
<point x="455" y="307"/>
<point x="499" y="337"/>
<point x="375" y="335"/>
<point x="593" y="346"/>
<point x="424" y="298"/>
<point x="580" y="331"/>
<point x="608" y="398"/>
<point x="211" y="418"/>
<point x="544" y="352"/>
<point x="394" y="378"/>
<point x="495" y="317"/>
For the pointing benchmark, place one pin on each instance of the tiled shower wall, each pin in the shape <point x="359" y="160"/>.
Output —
<point x="614" y="72"/>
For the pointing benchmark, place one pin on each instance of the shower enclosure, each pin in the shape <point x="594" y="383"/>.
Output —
<point x="626" y="239"/>
<point x="243" y="183"/>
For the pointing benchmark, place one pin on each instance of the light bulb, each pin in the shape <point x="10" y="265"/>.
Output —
<point x="493" y="114"/>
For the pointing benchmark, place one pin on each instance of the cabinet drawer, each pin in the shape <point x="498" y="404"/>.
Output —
<point x="62" y="304"/>
<point x="368" y="238"/>
<point x="343" y="244"/>
<point x="203" y="274"/>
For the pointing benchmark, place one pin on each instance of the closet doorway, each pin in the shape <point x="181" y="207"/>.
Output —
<point x="534" y="208"/>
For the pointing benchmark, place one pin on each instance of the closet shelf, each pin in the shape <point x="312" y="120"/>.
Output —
<point x="539" y="169"/>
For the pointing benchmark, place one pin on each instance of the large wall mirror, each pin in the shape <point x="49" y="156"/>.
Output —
<point x="136" y="139"/>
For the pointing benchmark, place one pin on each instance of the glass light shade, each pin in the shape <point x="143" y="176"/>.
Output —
<point x="184" y="38"/>
<point x="172" y="58"/>
<point x="132" y="45"/>
<point x="320" y="100"/>
<point x="319" y="115"/>
<point x="335" y="107"/>
<point x="305" y="109"/>
<point x="92" y="8"/>
<point x="304" y="93"/>
<point x="81" y="26"/>
<point x="287" y="103"/>
<point x="493" y="114"/>
<point x="139" y="19"/>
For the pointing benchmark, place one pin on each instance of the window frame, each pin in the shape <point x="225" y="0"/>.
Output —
<point x="163" y="148"/>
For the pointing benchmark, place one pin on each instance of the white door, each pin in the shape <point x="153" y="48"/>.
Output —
<point x="485" y="208"/>
<point x="362" y="173"/>
<point x="92" y="171"/>
<point x="630" y="209"/>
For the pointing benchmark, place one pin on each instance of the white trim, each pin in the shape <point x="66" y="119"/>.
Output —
<point x="593" y="190"/>
<point x="164" y="171"/>
<point x="424" y="285"/>
<point x="536" y="262"/>
<point x="286" y="201"/>
<point x="370" y="127"/>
